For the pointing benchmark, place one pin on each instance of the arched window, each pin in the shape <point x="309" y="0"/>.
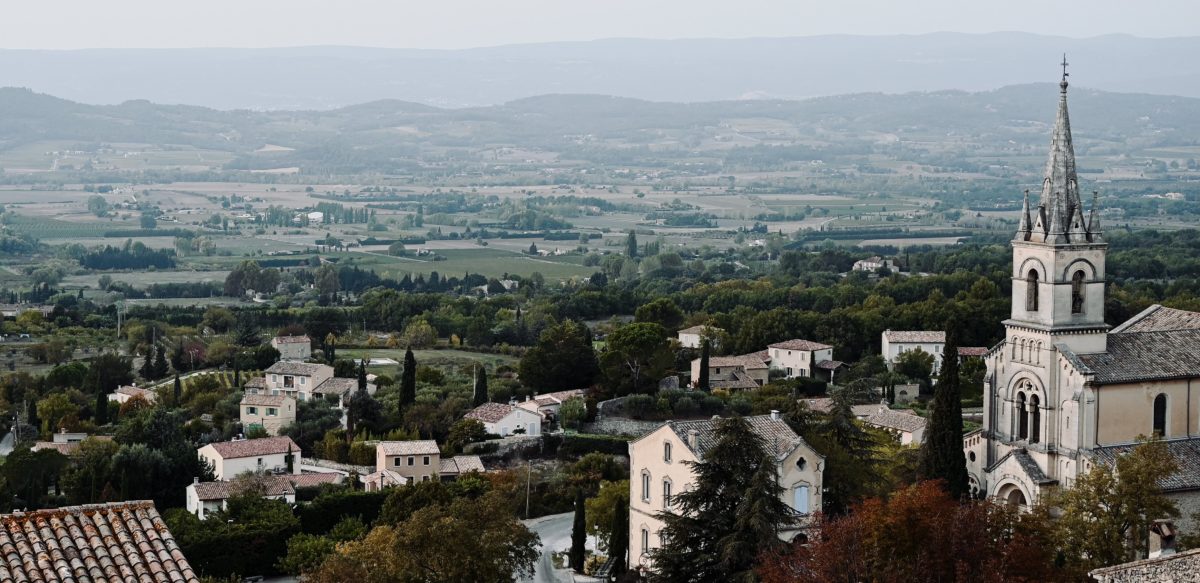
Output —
<point x="1031" y="291"/>
<point x="1035" y="419"/>
<point x="1077" y="292"/>
<point x="1022" y="420"/>
<point x="1022" y="343"/>
<point x="1037" y="354"/>
<point x="1160" y="415"/>
<point x="800" y="499"/>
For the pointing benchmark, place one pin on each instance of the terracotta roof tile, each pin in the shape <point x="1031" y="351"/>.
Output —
<point x="899" y="420"/>
<point x="1144" y="356"/>
<point x="414" y="447"/>
<point x="336" y="386"/>
<point x="777" y="435"/>
<point x="255" y="447"/>
<point x="798" y="344"/>
<point x="462" y="464"/>
<point x="915" y="336"/>
<point x="490" y="412"/>
<point x="291" y="340"/>
<point x="265" y="400"/>
<point x="117" y="542"/>
<point x="297" y="368"/>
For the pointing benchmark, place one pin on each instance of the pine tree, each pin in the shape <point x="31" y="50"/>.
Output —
<point x="178" y="390"/>
<point x="631" y="245"/>
<point x="408" y="379"/>
<point x="942" y="455"/>
<point x="618" y="542"/>
<point x="147" y="368"/>
<point x="101" y="408"/>
<point x="578" y="533"/>
<point x="481" y="388"/>
<point x="702" y="537"/>
<point x="702" y="382"/>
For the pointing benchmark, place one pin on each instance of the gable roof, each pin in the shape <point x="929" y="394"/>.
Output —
<point x="336" y="386"/>
<point x="414" y="447"/>
<point x="1027" y="465"/>
<point x="1142" y="356"/>
<point x="973" y="350"/>
<point x="915" y="336"/>
<point x="133" y="391"/>
<point x="780" y="438"/>
<point x="699" y="329"/>
<point x="298" y="368"/>
<point x="493" y="412"/>
<point x="291" y="340"/>
<point x="120" y="541"/>
<point x="798" y="344"/>
<point x="461" y="464"/>
<point x="265" y="400"/>
<point x="1185" y="451"/>
<point x="748" y="361"/>
<point x="898" y="420"/>
<point x="1157" y="318"/>
<point x="255" y="447"/>
<point x="274" y="485"/>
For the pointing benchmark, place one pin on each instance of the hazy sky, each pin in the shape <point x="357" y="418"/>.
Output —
<point x="69" y="24"/>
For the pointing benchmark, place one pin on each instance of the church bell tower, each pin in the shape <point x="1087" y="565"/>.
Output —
<point x="1058" y="256"/>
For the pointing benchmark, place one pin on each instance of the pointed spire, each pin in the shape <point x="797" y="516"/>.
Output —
<point x="1077" y="232"/>
<point x="1024" y="229"/>
<point x="1094" y="220"/>
<point x="1060" y="188"/>
<point x="1056" y="233"/>
<point x="1039" y="224"/>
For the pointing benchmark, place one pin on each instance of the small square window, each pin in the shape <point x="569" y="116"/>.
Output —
<point x="411" y="460"/>
<point x="426" y="460"/>
<point x="396" y="462"/>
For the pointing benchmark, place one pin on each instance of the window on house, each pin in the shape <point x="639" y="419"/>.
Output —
<point x="396" y="462"/>
<point x="1077" y="293"/>
<point x="275" y="378"/>
<point x="1160" y="414"/>
<point x="1031" y="291"/>
<point x="252" y="410"/>
<point x="667" y="451"/>
<point x="411" y="460"/>
<point x="426" y="460"/>
<point x="645" y="485"/>
<point x="260" y="462"/>
<point x="801" y="464"/>
<point x="289" y="382"/>
<point x="666" y="493"/>
<point x="800" y="499"/>
<point x="303" y="381"/>
<point x="272" y="411"/>
<point x="645" y="541"/>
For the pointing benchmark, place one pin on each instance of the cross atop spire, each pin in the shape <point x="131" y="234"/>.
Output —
<point x="1063" y="83"/>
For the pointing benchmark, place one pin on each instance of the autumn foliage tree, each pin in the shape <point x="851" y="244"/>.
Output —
<point x="922" y="534"/>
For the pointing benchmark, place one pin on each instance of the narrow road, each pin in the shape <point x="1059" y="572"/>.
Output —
<point x="6" y="445"/>
<point x="555" y="531"/>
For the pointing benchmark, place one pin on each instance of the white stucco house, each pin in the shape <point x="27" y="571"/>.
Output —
<point x="503" y="420"/>
<point x="801" y="358"/>
<point x="207" y="497"/>
<point x="694" y="336"/>
<point x="269" y="454"/>
<point x="293" y="347"/>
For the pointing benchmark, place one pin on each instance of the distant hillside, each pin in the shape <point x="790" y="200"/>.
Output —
<point x="663" y="70"/>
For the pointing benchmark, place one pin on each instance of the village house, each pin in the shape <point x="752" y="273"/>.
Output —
<point x="271" y="412"/>
<point x="694" y="336"/>
<point x="399" y="463"/>
<point x="295" y="379"/>
<point x="803" y="358"/>
<point x="933" y="342"/>
<point x="548" y="404"/>
<point x="660" y="466"/>
<point x="67" y="443"/>
<point x="96" y="542"/>
<point x="905" y="425"/>
<point x="748" y="371"/>
<point x="268" y="454"/>
<point x="293" y="347"/>
<point x="504" y="420"/>
<point x="874" y="264"/>
<point x="126" y="392"/>
<point x="206" y="497"/>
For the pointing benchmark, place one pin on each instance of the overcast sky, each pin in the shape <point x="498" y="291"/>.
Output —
<point x="71" y="24"/>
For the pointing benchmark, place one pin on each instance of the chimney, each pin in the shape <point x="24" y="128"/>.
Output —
<point x="774" y="414"/>
<point x="195" y="479"/>
<point x="693" y="438"/>
<point x="1162" y="538"/>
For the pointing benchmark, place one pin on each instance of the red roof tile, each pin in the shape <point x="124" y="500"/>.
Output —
<point x="255" y="447"/>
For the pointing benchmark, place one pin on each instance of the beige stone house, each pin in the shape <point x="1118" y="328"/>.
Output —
<point x="802" y="358"/>
<point x="694" y="336"/>
<point x="399" y="463"/>
<point x="293" y="347"/>
<point x="748" y="371"/>
<point x="297" y="380"/>
<point x="268" y="454"/>
<point x="906" y="426"/>
<point x="272" y="412"/>
<point x="127" y="392"/>
<point x="659" y="470"/>
<point x="503" y="419"/>
<point x="1063" y="391"/>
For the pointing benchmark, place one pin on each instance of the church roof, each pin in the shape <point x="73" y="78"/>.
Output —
<point x="1159" y="318"/>
<point x="1027" y="465"/>
<point x="1186" y="453"/>
<point x="1142" y="356"/>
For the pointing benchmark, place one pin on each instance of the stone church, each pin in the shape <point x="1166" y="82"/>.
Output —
<point x="1064" y="391"/>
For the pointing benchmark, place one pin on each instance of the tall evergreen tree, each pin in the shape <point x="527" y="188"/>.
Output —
<point x="702" y="382"/>
<point x="578" y="533"/>
<point x="942" y="455"/>
<point x="161" y="368"/>
<point x="704" y="537"/>
<point x="237" y="374"/>
<point x="618" y="542"/>
<point x="101" y="409"/>
<point x="481" y="388"/>
<point x="631" y="245"/>
<point x="362" y="375"/>
<point x="178" y="394"/>
<point x="408" y="379"/>
<point x="147" y="368"/>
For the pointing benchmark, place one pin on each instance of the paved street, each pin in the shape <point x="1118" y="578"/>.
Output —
<point x="555" y="532"/>
<point x="6" y="444"/>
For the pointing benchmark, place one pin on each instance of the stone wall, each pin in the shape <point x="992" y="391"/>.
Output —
<point x="620" y="426"/>
<point x="1179" y="568"/>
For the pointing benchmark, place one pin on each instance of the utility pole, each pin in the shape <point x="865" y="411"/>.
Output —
<point x="528" y="480"/>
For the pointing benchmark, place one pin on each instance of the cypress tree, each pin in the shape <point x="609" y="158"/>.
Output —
<point x="178" y="390"/>
<point x="101" y="408"/>
<point x="147" y="369"/>
<point x="578" y="533"/>
<point x="942" y="455"/>
<point x="408" y="379"/>
<point x="362" y="375"/>
<point x="618" y="542"/>
<point x="631" y="245"/>
<point x="160" y="363"/>
<point x="481" y="388"/>
<point x="702" y="382"/>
